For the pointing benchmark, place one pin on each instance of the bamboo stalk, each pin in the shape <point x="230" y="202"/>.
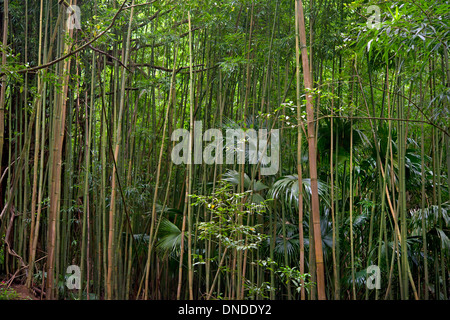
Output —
<point x="312" y="157"/>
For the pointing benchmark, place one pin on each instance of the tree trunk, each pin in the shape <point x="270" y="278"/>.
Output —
<point x="312" y="156"/>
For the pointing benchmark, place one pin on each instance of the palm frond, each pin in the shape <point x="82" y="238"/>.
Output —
<point x="287" y="188"/>
<point x="169" y="238"/>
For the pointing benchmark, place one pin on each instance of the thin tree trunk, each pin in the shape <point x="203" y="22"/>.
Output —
<point x="3" y="81"/>
<point x="299" y="158"/>
<point x="59" y="131"/>
<point x="315" y="209"/>
<point x="112" y="220"/>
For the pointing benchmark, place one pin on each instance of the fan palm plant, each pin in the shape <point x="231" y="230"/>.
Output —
<point x="287" y="189"/>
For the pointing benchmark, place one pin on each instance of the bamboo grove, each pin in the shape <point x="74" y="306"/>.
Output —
<point x="87" y="116"/>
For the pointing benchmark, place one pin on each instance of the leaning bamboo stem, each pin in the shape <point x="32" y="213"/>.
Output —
<point x="112" y="222"/>
<point x="59" y="132"/>
<point x="312" y="157"/>
<point x="3" y="78"/>
<point x="158" y="172"/>
<point x="299" y="158"/>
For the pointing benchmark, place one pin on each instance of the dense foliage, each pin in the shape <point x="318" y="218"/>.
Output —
<point x="87" y="178"/>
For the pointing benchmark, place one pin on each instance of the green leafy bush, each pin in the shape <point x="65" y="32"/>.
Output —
<point x="8" y="294"/>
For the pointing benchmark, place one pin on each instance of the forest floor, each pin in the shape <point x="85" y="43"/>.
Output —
<point x="16" y="292"/>
<point x="23" y="292"/>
